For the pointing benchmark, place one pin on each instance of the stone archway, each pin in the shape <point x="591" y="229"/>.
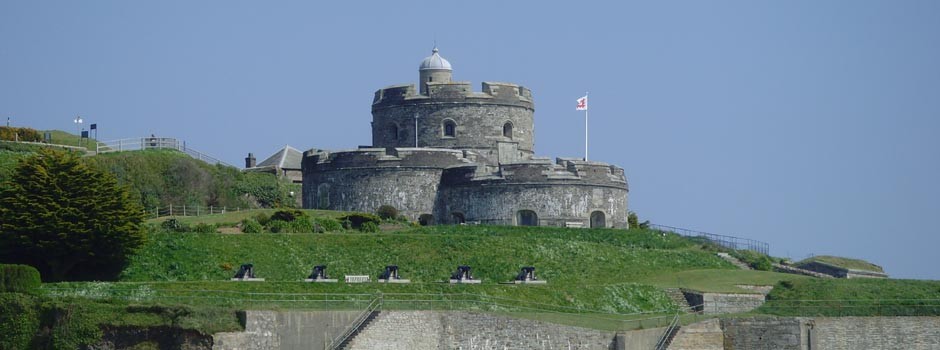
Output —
<point x="527" y="218"/>
<point x="598" y="219"/>
<point x="426" y="219"/>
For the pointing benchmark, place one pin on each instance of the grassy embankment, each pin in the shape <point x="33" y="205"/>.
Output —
<point x="849" y="263"/>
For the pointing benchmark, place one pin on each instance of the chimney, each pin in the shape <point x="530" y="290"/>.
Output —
<point x="250" y="161"/>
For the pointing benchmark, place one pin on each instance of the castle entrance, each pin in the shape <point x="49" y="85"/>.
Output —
<point x="425" y="219"/>
<point x="598" y="220"/>
<point x="527" y="218"/>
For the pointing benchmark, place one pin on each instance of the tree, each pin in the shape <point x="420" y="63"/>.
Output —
<point x="68" y="220"/>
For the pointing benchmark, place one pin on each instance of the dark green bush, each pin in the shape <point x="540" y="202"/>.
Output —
<point x="19" y="279"/>
<point x="328" y="224"/>
<point x="251" y="226"/>
<point x="369" y="226"/>
<point x="204" y="228"/>
<point x="355" y="220"/>
<point x="278" y="226"/>
<point x="262" y="219"/>
<point x="19" y="320"/>
<point x="387" y="212"/>
<point x="288" y="215"/>
<point x="174" y="225"/>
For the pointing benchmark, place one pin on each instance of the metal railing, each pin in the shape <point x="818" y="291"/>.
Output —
<point x="736" y="243"/>
<point x="142" y="143"/>
<point x="670" y="331"/>
<point x="373" y="306"/>
<point x="189" y="210"/>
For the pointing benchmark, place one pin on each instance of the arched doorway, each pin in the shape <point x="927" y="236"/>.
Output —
<point x="507" y="130"/>
<point x="458" y="218"/>
<point x="527" y="218"/>
<point x="598" y="220"/>
<point x="323" y="196"/>
<point x="425" y="219"/>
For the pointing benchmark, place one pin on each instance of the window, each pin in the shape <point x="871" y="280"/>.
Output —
<point x="598" y="220"/>
<point x="507" y="130"/>
<point x="527" y="218"/>
<point x="323" y="196"/>
<point x="450" y="128"/>
<point x="393" y="132"/>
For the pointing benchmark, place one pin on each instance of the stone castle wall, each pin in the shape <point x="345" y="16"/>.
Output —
<point x="449" y="186"/>
<point x="366" y="179"/>
<point x="479" y="117"/>
<point x="562" y="193"/>
<point x="433" y="330"/>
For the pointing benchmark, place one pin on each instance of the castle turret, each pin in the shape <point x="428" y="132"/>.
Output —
<point x="434" y="69"/>
<point x="495" y="123"/>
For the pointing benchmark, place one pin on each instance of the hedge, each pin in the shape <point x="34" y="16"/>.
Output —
<point x="19" y="320"/>
<point x="19" y="279"/>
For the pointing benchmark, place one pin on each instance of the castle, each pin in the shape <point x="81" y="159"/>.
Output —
<point x="444" y="154"/>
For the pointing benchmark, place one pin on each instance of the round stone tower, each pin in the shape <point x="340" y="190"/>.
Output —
<point x="496" y="124"/>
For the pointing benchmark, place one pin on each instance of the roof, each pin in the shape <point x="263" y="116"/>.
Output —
<point x="285" y="158"/>
<point x="435" y="61"/>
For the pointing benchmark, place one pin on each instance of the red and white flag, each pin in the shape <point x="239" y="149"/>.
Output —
<point x="582" y="103"/>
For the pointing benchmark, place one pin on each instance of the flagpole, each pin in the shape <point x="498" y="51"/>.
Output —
<point x="585" y="129"/>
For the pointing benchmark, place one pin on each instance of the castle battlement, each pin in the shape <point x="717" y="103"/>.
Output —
<point x="384" y="158"/>
<point x="491" y="93"/>
<point x="538" y="171"/>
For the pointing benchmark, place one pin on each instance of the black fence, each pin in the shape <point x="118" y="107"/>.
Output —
<point x="731" y="242"/>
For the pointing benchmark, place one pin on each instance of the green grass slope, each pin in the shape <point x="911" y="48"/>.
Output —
<point x="849" y="263"/>
<point x="854" y="297"/>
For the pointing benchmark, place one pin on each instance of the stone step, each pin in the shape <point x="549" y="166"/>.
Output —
<point x="734" y="261"/>
<point x="677" y="297"/>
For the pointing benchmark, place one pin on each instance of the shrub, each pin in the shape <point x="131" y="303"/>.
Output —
<point x="369" y="226"/>
<point x="19" y="279"/>
<point x="204" y="228"/>
<point x="67" y="219"/>
<point x="174" y="225"/>
<point x="301" y="225"/>
<point x="19" y="320"/>
<point x="357" y="219"/>
<point x="328" y="224"/>
<point x="262" y="219"/>
<point x="21" y="134"/>
<point x="387" y="212"/>
<point x="288" y="215"/>
<point x="251" y="226"/>
<point x="278" y="226"/>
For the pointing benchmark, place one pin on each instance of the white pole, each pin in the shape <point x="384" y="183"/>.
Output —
<point x="416" y="130"/>
<point x="586" y="128"/>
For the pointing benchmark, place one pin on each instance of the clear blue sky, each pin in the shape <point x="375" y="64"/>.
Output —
<point x="811" y="125"/>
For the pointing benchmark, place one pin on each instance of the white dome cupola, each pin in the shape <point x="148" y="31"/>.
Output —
<point x="433" y="69"/>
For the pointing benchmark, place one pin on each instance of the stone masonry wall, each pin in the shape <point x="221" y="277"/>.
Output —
<point x="765" y="333"/>
<point x="885" y="333"/>
<point x="433" y="330"/>
<point x="723" y="303"/>
<point x="289" y="330"/>
<point x="479" y="117"/>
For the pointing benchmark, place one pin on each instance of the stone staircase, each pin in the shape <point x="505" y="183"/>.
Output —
<point x="734" y="261"/>
<point x="345" y="344"/>
<point x="677" y="297"/>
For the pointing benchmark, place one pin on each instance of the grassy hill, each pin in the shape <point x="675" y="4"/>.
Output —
<point x="164" y="177"/>
<point x="848" y="263"/>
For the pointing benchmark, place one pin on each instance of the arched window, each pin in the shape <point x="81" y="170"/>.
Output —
<point x="527" y="218"/>
<point x="450" y="128"/>
<point x="507" y="130"/>
<point x="598" y="220"/>
<point x="393" y="132"/>
<point x="323" y="196"/>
